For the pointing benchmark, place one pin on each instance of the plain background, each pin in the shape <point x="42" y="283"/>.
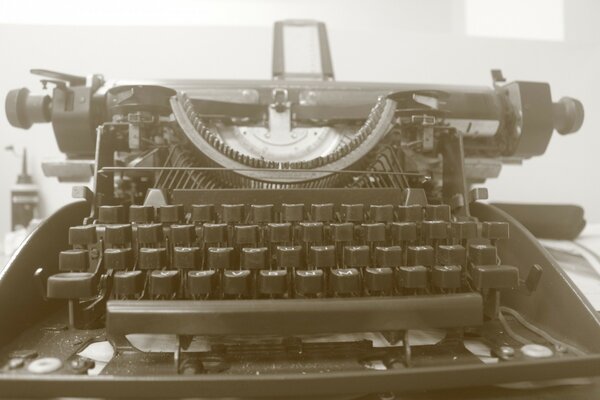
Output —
<point x="429" y="41"/>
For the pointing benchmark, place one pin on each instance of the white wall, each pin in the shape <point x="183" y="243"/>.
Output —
<point x="385" y="40"/>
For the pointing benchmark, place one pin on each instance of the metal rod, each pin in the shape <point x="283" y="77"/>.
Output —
<point x="209" y="169"/>
<point x="71" y="313"/>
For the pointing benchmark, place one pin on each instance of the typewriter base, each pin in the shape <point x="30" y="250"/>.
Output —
<point x="448" y="365"/>
<point x="139" y="374"/>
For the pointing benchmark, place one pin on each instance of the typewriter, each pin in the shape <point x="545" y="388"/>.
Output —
<point x="297" y="237"/>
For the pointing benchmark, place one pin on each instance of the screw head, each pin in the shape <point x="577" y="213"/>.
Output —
<point x="506" y="352"/>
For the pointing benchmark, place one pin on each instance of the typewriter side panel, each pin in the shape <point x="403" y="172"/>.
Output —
<point x="556" y="304"/>
<point x="21" y="296"/>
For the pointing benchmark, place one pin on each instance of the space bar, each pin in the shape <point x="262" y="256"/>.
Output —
<point x="292" y="316"/>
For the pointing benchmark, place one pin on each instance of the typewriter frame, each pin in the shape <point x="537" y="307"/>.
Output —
<point x="30" y="322"/>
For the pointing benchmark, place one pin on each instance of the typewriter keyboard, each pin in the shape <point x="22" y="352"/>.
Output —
<point x="280" y="251"/>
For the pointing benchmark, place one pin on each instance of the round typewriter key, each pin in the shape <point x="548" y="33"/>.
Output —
<point x="164" y="283"/>
<point x="200" y="283"/>
<point x="413" y="213"/>
<point x="344" y="281"/>
<point x="404" y="231"/>
<point x="413" y="277"/>
<point x="111" y="214"/>
<point x="261" y="213"/>
<point x="117" y="235"/>
<point x="272" y="282"/>
<point x="420" y="255"/>
<point x="141" y="214"/>
<point x="352" y="212"/>
<point x="356" y="256"/>
<point x="289" y="256"/>
<point x="308" y="282"/>
<point x="446" y="276"/>
<point x="214" y="233"/>
<point x="388" y="256"/>
<point x="220" y="258"/>
<point x="254" y="258"/>
<point x="437" y="212"/>
<point x="495" y="230"/>
<point x="71" y="285"/>
<point x="153" y="258"/>
<point x="382" y="213"/>
<point x="483" y="254"/>
<point x="280" y="233"/>
<point x="322" y="212"/>
<point x="374" y="232"/>
<point x="118" y="259"/>
<point x="451" y="255"/>
<point x="203" y="212"/>
<point x="183" y="234"/>
<point x="128" y="283"/>
<point x="246" y="234"/>
<point x="464" y="230"/>
<point x="312" y="232"/>
<point x="73" y="260"/>
<point x="150" y="233"/>
<point x="233" y="213"/>
<point x="322" y="257"/>
<point x="171" y="214"/>
<point x="83" y="235"/>
<point x="379" y="280"/>
<point x="343" y="232"/>
<point x="292" y="212"/>
<point x="237" y="283"/>
<point x="434" y="230"/>
<point x="186" y="257"/>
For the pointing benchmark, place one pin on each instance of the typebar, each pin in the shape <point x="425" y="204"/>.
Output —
<point x="293" y="316"/>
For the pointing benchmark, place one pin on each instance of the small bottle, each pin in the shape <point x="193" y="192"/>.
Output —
<point x="24" y="198"/>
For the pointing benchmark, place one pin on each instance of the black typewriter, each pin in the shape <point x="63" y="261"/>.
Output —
<point x="298" y="237"/>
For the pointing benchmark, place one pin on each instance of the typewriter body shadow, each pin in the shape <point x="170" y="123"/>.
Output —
<point x="297" y="237"/>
